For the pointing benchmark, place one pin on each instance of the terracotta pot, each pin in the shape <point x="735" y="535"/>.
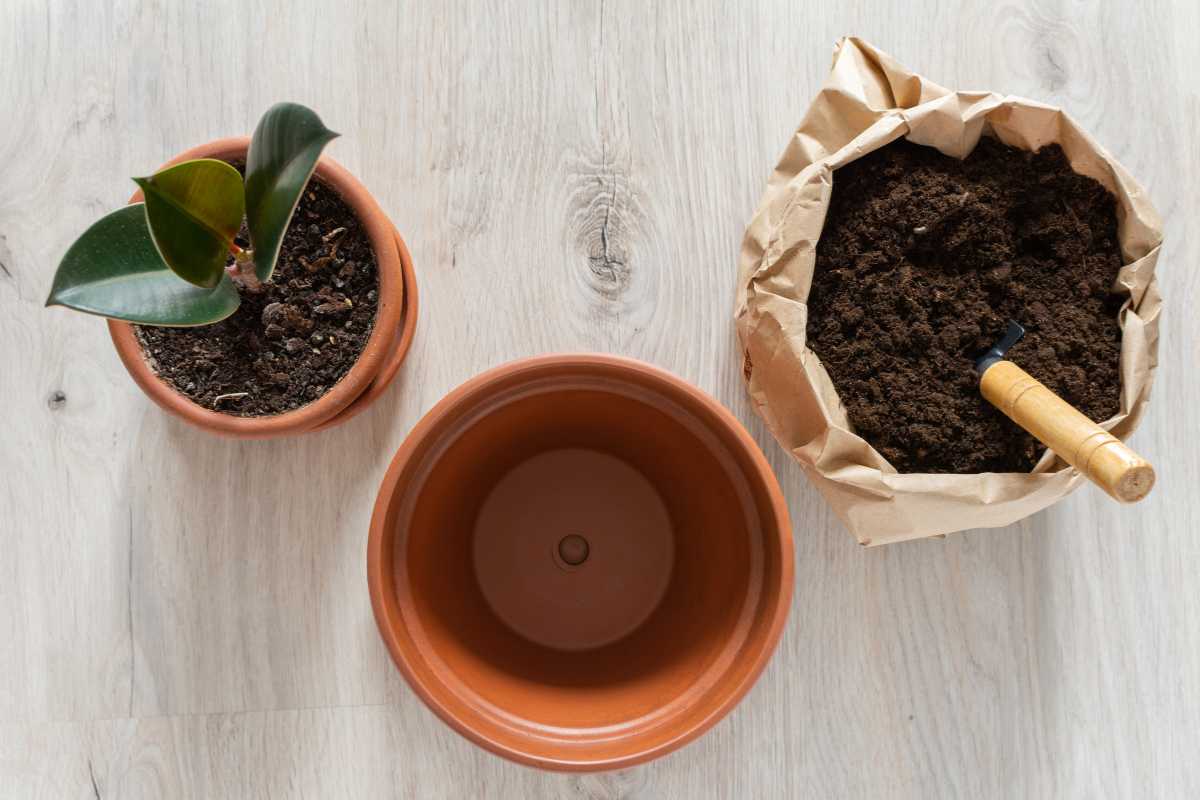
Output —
<point x="395" y="323"/>
<point x="580" y="562"/>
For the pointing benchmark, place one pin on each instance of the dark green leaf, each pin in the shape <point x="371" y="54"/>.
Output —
<point x="283" y="154"/>
<point x="194" y="210"/>
<point x="115" y="271"/>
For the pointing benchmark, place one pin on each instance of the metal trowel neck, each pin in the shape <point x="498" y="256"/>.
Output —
<point x="997" y="351"/>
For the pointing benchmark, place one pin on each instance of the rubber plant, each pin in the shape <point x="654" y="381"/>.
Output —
<point x="163" y="261"/>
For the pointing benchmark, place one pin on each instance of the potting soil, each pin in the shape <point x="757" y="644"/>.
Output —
<point x="922" y="261"/>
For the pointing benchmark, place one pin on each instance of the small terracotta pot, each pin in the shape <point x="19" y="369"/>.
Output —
<point x="580" y="562"/>
<point x="395" y="323"/>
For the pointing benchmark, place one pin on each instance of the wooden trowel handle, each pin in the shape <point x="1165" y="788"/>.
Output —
<point x="1083" y="444"/>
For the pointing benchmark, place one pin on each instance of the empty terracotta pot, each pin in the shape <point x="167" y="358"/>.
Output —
<point x="580" y="562"/>
<point x="377" y="365"/>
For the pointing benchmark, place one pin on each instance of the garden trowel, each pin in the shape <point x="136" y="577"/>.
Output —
<point x="1100" y="456"/>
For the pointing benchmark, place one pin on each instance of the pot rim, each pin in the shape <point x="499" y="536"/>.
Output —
<point x="385" y="604"/>
<point x="374" y="356"/>
<point x="410" y="307"/>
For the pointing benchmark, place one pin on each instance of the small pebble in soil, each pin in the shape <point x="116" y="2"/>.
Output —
<point x="333" y="307"/>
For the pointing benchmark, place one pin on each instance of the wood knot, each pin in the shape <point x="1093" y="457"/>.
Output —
<point x="1050" y="68"/>
<point x="608" y="267"/>
<point x="606" y="223"/>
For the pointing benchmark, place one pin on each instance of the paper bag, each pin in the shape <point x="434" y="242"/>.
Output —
<point x="868" y="101"/>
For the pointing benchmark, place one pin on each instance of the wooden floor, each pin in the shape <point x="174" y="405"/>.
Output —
<point x="186" y="617"/>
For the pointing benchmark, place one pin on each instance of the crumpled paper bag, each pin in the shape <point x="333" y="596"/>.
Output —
<point x="868" y="101"/>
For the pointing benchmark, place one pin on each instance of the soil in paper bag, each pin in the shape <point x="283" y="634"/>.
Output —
<point x="922" y="261"/>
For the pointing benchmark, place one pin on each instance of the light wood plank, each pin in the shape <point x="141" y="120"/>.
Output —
<point x="190" y="616"/>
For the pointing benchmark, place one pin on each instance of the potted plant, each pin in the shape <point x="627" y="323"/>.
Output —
<point x="226" y="313"/>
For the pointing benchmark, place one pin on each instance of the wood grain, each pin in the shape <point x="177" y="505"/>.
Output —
<point x="183" y="616"/>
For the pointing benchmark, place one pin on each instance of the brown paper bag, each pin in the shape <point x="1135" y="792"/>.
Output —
<point x="868" y="101"/>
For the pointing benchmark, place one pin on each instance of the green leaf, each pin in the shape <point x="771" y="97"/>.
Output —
<point x="115" y="271"/>
<point x="283" y="154"/>
<point x="194" y="210"/>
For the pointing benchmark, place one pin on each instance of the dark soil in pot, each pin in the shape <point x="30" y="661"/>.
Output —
<point x="289" y="344"/>
<point x="924" y="258"/>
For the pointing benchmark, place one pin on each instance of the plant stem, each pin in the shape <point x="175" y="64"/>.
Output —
<point x="242" y="270"/>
